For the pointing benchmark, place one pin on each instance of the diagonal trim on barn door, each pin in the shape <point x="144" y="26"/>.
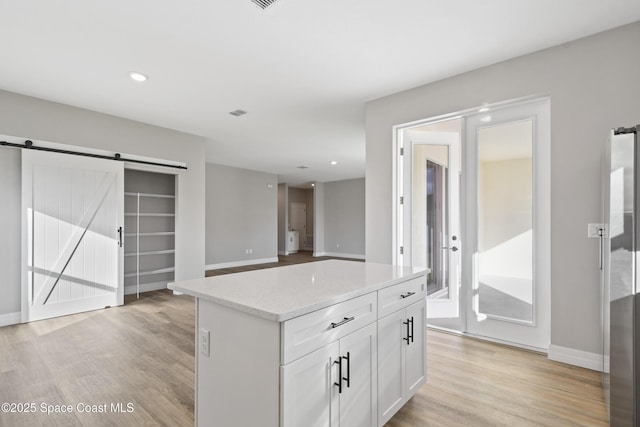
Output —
<point x="54" y="275"/>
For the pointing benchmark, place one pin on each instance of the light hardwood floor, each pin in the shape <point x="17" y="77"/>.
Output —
<point x="143" y="353"/>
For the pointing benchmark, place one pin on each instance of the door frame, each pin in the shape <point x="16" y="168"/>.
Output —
<point x="397" y="190"/>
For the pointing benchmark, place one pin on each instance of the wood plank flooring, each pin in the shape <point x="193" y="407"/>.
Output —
<point x="283" y="260"/>
<point x="143" y="353"/>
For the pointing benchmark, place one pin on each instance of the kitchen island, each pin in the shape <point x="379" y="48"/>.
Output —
<point x="325" y="343"/>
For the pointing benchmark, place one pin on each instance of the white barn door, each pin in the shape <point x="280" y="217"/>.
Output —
<point x="72" y="210"/>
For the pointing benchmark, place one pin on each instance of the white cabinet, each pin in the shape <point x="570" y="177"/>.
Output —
<point x="335" y="385"/>
<point x="401" y="358"/>
<point x="308" y="398"/>
<point x="293" y="239"/>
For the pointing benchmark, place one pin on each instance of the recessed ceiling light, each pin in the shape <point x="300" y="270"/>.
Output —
<point x="485" y="119"/>
<point x="333" y="163"/>
<point x="138" y="77"/>
<point x="238" y="113"/>
<point x="313" y="185"/>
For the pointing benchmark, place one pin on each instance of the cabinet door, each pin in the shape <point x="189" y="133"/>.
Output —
<point x="417" y="349"/>
<point x="391" y="366"/>
<point x="358" y="400"/>
<point x="308" y="397"/>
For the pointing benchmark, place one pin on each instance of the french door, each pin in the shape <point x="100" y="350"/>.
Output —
<point x="72" y="210"/>
<point x="507" y="204"/>
<point x="432" y="240"/>
<point x="474" y="211"/>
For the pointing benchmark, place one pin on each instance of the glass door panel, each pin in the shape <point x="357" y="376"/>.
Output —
<point x="434" y="223"/>
<point x="505" y="221"/>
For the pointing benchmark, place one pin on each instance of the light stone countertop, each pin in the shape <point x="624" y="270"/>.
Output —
<point x="282" y="293"/>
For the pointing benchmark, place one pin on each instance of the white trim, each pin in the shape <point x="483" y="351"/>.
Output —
<point x="10" y="319"/>
<point x="571" y="356"/>
<point x="241" y="263"/>
<point x="145" y="287"/>
<point x="283" y="252"/>
<point x="341" y="255"/>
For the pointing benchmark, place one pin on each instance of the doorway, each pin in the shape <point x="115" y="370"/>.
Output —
<point x="474" y="210"/>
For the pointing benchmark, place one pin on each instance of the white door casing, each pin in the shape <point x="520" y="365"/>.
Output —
<point x="72" y="211"/>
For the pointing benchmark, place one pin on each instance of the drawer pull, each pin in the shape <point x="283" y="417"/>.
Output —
<point x="407" y="295"/>
<point x="342" y="322"/>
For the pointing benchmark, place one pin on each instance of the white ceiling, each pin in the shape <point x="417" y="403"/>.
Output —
<point x="303" y="69"/>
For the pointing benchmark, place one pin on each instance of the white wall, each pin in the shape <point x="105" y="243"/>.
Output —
<point x="37" y="119"/>
<point x="344" y="213"/>
<point x="593" y="84"/>
<point x="241" y="214"/>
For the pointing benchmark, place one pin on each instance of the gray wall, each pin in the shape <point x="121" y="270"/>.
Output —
<point x="241" y="213"/>
<point x="283" y="217"/>
<point x="10" y="190"/>
<point x="318" y="224"/>
<point x="37" y="119"/>
<point x="344" y="224"/>
<point x="593" y="84"/>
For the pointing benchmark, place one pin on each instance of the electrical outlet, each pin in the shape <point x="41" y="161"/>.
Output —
<point x="204" y="342"/>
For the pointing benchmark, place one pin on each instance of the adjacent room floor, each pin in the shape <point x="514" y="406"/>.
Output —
<point x="134" y="365"/>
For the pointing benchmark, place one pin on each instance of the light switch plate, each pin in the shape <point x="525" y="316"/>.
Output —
<point x="204" y="342"/>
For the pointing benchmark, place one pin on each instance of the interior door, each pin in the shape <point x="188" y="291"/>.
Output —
<point x="72" y="210"/>
<point x="432" y="213"/>
<point x="507" y="261"/>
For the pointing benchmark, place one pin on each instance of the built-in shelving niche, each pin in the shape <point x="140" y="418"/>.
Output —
<point x="149" y="231"/>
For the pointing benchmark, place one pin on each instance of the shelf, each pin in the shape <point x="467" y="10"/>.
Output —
<point x="168" y="251"/>
<point x="160" y="196"/>
<point x="157" y="233"/>
<point x="151" y="214"/>
<point x="149" y="272"/>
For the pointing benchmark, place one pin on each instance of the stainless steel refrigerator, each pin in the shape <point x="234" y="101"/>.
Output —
<point x="620" y="239"/>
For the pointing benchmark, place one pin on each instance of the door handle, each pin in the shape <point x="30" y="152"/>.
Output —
<point x="348" y="377"/>
<point x="408" y="332"/>
<point x="407" y="295"/>
<point x="339" y="383"/>
<point x="120" y="236"/>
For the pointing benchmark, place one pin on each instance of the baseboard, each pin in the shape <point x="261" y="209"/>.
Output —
<point x="10" y="319"/>
<point x="341" y="255"/>
<point x="571" y="356"/>
<point x="241" y="263"/>
<point x="147" y="287"/>
<point x="283" y="253"/>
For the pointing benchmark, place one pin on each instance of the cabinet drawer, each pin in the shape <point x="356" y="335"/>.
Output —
<point x="401" y="295"/>
<point x="306" y="333"/>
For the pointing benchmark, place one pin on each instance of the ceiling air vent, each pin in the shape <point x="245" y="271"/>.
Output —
<point x="238" y="113"/>
<point x="264" y="3"/>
